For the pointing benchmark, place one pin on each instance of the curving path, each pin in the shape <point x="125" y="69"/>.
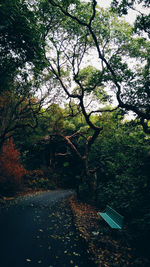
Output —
<point x="38" y="230"/>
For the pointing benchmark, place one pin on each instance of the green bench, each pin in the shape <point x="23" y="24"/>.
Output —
<point x="113" y="218"/>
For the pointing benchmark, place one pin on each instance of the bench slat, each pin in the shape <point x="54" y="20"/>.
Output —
<point x="114" y="215"/>
<point x="113" y="218"/>
<point x="112" y="223"/>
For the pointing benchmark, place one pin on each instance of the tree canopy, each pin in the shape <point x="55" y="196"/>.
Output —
<point x="73" y="52"/>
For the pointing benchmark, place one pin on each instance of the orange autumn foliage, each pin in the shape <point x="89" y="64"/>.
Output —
<point x="11" y="171"/>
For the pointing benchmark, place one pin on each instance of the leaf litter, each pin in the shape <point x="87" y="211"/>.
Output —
<point x="106" y="247"/>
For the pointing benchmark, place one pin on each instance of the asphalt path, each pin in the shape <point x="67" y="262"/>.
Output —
<point x="38" y="230"/>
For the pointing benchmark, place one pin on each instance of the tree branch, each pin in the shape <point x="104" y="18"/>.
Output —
<point x="103" y="110"/>
<point x="67" y="13"/>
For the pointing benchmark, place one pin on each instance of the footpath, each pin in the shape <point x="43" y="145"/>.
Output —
<point x="38" y="231"/>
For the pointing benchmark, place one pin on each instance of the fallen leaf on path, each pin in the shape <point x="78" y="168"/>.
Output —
<point x="76" y="254"/>
<point x="28" y="260"/>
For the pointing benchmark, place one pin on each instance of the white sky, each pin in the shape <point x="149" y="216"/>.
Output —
<point x="131" y="13"/>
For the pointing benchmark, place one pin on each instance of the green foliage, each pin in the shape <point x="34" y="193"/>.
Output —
<point x="56" y="119"/>
<point x="124" y="193"/>
<point x="91" y="79"/>
<point x="22" y="55"/>
<point x="142" y="20"/>
<point x="121" y="154"/>
<point x="20" y="40"/>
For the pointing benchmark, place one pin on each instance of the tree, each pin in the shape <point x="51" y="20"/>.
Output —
<point x="20" y="39"/>
<point x="22" y="42"/>
<point x="84" y="30"/>
<point x="17" y="111"/>
<point x="114" y="42"/>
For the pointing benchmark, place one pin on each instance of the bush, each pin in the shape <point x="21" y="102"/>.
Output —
<point x="11" y="170"/>
<point x="124" y="193"/>
<point x="37" y="179"/>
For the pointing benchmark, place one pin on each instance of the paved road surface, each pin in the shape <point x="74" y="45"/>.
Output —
<point x="39" y="231"/>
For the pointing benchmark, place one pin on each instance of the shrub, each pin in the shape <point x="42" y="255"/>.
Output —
<point x="37" y="179"/>
<point x="11" y="170"/>
<point x="124" y="193"/>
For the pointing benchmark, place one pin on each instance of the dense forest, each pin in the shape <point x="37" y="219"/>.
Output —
<point x="75" y="103"/>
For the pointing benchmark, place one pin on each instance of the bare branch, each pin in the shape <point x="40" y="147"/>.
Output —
<point x="62" y="154"/>
<point x="72" y="146"/>
<point x="103" y="110"/>
<point x="94" y="3"/>
<point x="62" y="83"/>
